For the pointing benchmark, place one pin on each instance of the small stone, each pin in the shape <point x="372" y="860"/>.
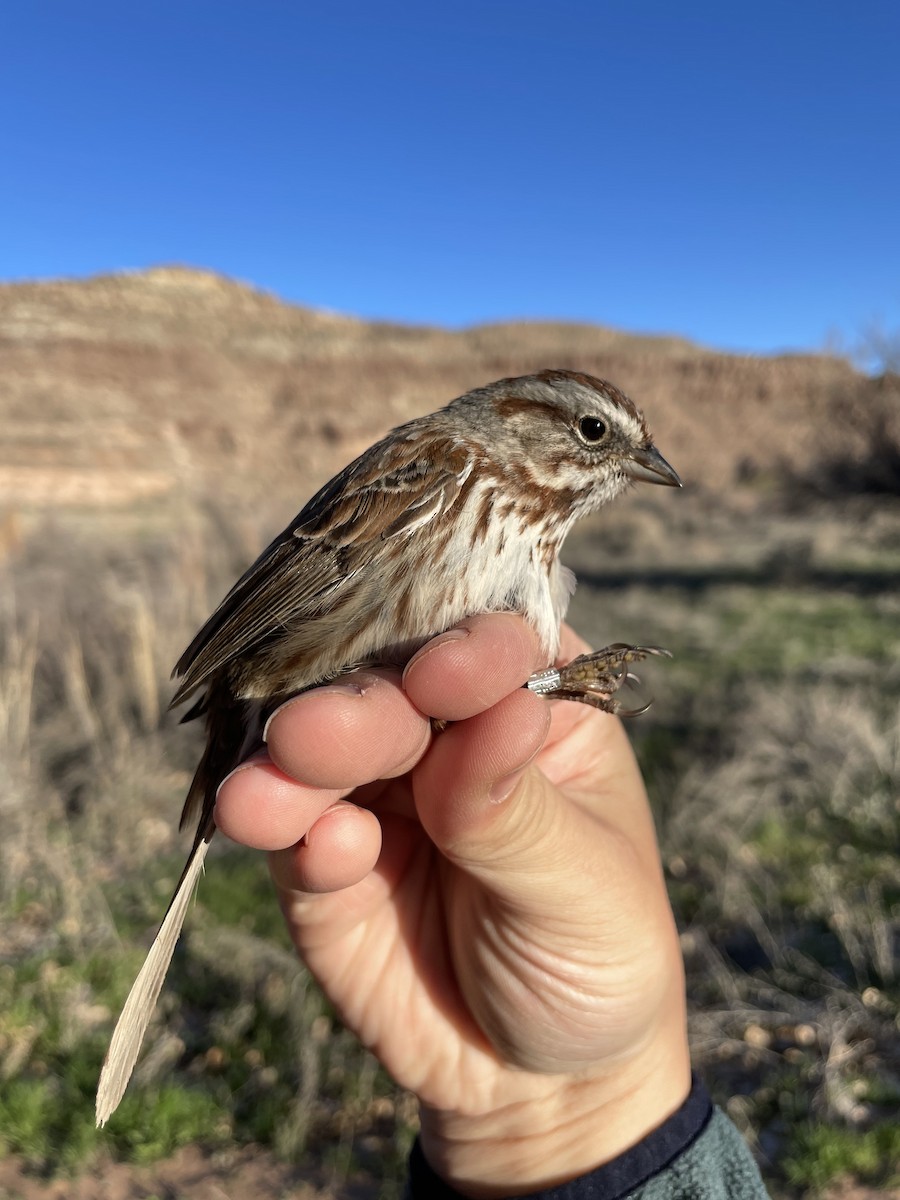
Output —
<point x="755" y="1035"/>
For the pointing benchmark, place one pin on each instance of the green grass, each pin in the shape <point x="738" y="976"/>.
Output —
<point x="787" y="631"/>
<point x="52" y="1046"/>
<point x="238" y="1063"/>
<point x="820" y="1154"/>
<point x="769" y="631"/>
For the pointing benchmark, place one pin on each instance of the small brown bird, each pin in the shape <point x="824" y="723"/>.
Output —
<point x="459" y="512"/>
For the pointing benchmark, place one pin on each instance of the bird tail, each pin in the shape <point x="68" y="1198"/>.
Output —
<point x="135" y="1017"/>
<point x="234" y="728"/>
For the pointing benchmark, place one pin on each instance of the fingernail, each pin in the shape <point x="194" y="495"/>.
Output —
<point x="259" y="756"/>
<point x="452" y="635"/>
<point x="503" y="787"/>
<point x="280" y="709"/>
<point x="351" y="685"/>
<point x="338" y="805"/>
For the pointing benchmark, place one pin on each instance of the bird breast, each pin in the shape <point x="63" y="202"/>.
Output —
<point x="490" y="557"/>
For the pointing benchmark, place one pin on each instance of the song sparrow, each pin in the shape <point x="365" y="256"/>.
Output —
<point x="459" y="512"/>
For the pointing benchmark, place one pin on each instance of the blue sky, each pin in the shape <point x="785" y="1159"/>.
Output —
<point x="724" y="171"/>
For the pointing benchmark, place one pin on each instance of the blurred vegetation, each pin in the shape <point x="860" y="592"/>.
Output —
<point x="773" y="758"/>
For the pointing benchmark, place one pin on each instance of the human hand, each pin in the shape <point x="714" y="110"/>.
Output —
<point x="485" y="907"/>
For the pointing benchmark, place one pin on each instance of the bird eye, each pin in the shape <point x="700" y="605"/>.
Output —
<point x="592" y="429"/>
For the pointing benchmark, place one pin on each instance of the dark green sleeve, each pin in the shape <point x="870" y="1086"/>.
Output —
<point x="717" y="1166"/>
<point x="697" y="1154"/>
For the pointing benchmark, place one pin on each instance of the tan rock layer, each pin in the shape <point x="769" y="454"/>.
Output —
<point x="115" y="387"/>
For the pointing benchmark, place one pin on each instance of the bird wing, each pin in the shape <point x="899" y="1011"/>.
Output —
<point x="396" y="487"/>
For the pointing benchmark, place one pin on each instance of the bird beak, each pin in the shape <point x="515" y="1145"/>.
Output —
<point x="647" y="465"/>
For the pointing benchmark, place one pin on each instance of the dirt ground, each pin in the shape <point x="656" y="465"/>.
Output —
<point x="191" y="1174"/>
<point x="246" y="1174"/>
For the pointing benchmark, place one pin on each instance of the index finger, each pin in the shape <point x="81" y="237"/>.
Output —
<point x="360" y="728"/>
<point x="473" y="666"/>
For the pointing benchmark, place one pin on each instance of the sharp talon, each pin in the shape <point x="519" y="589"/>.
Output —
<point x="634" y="712"/>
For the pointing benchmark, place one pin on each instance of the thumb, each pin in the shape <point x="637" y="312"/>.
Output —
<point x="495" y="816"/>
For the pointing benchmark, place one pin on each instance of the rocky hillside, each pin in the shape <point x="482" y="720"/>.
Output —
<point x="121" y="388"/>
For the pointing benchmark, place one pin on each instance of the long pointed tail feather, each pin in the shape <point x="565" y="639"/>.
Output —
<point x="135" y="1017"/>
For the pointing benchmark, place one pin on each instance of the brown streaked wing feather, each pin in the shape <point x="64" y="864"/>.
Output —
<point x="278" y="588"/>
<point x="396" y="486"/>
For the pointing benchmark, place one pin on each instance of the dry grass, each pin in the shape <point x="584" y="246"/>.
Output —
<point x="244" y="1049"/>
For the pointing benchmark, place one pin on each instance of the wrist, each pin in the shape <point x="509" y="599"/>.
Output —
<point x="550" y="1129"/>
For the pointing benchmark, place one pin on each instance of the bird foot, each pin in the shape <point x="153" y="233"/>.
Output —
<point x="596" y="678"/>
